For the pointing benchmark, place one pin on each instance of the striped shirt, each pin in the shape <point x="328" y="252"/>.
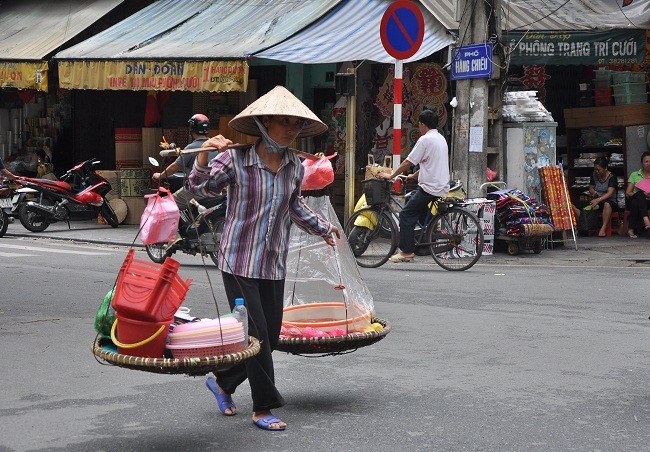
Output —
<point x="261" y="207"/>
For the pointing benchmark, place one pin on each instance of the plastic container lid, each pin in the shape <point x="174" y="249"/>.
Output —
<point x="239" y="301"/>
<point x="205" y="324"/>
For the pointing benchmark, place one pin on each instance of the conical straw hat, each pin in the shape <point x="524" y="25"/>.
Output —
<point x="278" y="101"/>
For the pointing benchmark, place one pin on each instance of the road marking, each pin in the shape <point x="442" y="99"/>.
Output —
<point x="17" y="255"/>
<point x="54" y="250"/>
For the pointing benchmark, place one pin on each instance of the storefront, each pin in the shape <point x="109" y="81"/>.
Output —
<point x="141" y="79"/>
<point x="141" y="74"/>
<point x="33" y="112"/>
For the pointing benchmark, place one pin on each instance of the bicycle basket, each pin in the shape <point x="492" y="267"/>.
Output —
<point x="376" y="191"/>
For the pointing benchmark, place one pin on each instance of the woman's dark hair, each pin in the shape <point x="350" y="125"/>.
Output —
<point x="644" y="155"/>
<point x="601" y="161"/>
<point x="429" y="119"/>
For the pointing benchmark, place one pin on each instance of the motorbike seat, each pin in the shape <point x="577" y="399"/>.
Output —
<point x="53" y="183"/>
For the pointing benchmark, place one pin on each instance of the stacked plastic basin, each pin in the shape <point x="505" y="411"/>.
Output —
<point x="208" y="337"/>
<point x="147" y="296"/>
<point x="629" y="87"/>
<point x="602" y="87"/>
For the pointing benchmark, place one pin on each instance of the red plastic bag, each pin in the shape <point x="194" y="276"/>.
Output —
<point x="318" y="173"/>
<point x="159" y="221"/>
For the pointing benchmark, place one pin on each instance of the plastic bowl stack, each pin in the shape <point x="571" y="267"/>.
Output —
<point x="208" y="337"/>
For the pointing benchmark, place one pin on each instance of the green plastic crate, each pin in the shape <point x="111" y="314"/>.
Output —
<point x="603" y="74"/>
<point x="619" y="77"/>
<point x="629" y="88"/>
<point x="626" y="99"/>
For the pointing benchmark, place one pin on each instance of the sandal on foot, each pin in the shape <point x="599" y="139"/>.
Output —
<point x="399" y="258"/>
<point x="223" y="400"/>
<point x="265" y="423"/>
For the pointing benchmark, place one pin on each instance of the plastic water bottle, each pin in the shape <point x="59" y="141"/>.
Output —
<point x="241" y="314"/>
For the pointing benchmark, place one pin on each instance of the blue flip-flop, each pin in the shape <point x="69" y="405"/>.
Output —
<point x="223" y="400"/>
<point x="265" y="423"/>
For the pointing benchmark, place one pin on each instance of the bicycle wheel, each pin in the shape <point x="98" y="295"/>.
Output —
<point x="372" y="235"/>
<point x="455" y="238"/>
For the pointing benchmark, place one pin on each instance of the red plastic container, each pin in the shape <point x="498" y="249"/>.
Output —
<point x="149" y="292"/>
<point x="151" y="335"/>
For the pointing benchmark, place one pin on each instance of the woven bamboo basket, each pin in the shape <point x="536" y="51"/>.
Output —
<point x="189" y="366"/>
<point x="337" y="345"/>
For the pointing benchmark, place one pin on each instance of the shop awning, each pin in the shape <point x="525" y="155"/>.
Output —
<point x="351" y="32"/>
<point x="192" y="45"/>
<point x="536" y="15"/>
<point x="31" y="30"/>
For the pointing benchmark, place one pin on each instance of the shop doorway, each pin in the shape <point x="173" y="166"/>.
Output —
<point x="268" y="77"/>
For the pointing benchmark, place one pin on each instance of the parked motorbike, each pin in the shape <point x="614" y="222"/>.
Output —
<point x="199" y="229"/>
<point x="8" y="205"/>
<point x="80" y="194"/>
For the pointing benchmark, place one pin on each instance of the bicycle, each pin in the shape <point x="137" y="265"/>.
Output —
<point x="453" y="236"/>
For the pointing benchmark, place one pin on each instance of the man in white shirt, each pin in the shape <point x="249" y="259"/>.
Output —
<point x="432" y="154"/>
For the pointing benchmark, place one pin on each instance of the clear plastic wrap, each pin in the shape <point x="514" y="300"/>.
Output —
<point x="318" y="273"/>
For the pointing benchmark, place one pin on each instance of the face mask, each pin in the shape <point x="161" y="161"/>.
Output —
<point x="271" y="146"/>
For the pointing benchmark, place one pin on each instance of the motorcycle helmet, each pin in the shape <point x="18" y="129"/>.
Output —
<point x="199" y="124"/>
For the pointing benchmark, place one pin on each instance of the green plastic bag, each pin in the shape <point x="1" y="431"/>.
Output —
<point x="105" y="315"/>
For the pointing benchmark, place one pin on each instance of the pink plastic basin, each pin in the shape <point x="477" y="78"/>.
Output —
<point x="327" y="317"/>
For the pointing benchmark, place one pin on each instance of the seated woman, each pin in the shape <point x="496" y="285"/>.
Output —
<point x="602" y="189"/>
<point x="636" y="199"/>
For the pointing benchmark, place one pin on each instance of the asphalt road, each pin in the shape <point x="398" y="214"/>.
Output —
<point x="551" y="355"/>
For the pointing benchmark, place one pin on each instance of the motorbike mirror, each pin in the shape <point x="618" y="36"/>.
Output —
<point x="153" y="161"/>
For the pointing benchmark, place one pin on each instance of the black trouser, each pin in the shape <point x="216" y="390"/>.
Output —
<point x="408" y="218"/>
<point x="263" y="299"/>
<point x="638" y="207"/>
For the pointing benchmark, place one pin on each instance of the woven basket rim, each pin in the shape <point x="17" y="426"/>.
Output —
<point x="333" y="344"/>
<point x="190" y="366"/>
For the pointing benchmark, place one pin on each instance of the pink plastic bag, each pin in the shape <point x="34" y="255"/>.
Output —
<point x="318" y="173"/>
<point x="159" y="221"/>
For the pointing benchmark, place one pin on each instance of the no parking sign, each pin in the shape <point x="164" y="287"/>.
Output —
<point x="402" y="32"/>
<point x="402" y="29"/>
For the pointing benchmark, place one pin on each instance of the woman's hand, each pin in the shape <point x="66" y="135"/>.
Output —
<point x="218" y="142"/>
<point x="330" y="238"/>
<point x="594" y="202"/>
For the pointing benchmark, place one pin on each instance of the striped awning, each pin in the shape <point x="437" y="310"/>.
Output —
<point x="550" y="15"/>
<point x="351" y="32"/>
<point x="185" y="45"/>
<point x="31" y="31"/>
<point x="199" y="30"/>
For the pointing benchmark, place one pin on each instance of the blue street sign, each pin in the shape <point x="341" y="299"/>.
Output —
<point x="472" y="61"/>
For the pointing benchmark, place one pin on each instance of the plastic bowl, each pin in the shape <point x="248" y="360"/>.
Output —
<point x="327" y="316"/>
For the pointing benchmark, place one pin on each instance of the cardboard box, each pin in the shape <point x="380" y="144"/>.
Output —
<point x="484" y="209"/>
<point x="128" y="147"/>
<point x="134" y="181"/>
<point x="488" y="247"/>
<point x="151" y="138"/>
<point x="135" y="207"/>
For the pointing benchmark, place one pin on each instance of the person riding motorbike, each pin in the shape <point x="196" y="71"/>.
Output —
<point x="199" y="125"/>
